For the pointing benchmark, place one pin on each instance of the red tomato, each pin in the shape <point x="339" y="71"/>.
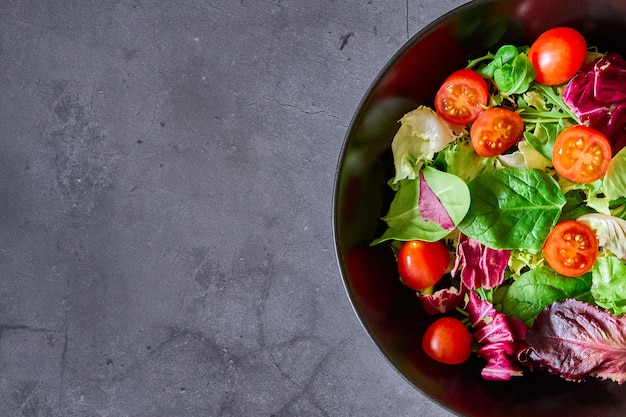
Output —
<point x="495" y="131"/>
<point x="447" y="340"/>
<point x="421" y="264"/>
<point x="571" y="248"/>
<point x="462" y="97"/>
<point x="557" y="54"/>
<point x="581" y="154"/>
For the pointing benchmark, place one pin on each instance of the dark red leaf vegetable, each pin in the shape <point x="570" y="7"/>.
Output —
<point x="498" y="344"/>
<point x="441" y="301"/>
<point x="574" y="340"/>
<point x="597" y="96"/>
<point x="481" y="267"/>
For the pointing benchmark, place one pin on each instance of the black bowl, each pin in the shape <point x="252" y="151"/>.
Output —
<point x="390" y="312"/>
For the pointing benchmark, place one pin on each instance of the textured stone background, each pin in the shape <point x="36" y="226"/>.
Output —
<point x="166" y="179"/>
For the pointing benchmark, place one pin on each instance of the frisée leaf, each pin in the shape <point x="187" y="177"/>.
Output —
<point x="574" y="340"/>
<point x="610" y="230"/>
<point x="422" y="133"/>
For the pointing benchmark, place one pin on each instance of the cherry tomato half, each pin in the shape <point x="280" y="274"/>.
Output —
<point x="462" y="97"/>
<point x="571" y="248"/>
<point x="447" y="340"/>
<point x="581" y="154"/>
<point x="421" y="264"/>
<point x="557" y="54"/>
<point x="495" y="131"/>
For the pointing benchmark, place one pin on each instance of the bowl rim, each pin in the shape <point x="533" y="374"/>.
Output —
<point x="357" y="115"/>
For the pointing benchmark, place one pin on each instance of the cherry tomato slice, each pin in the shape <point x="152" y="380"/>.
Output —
<point x="447" y="340"/>
<point x="495" y="131"/>
<point x="571" y="248"/>
<point x="557" y="54"/>
<point x="581" y="154"/>
<point x="421" y="264"/>
<point x="462" y="97"/>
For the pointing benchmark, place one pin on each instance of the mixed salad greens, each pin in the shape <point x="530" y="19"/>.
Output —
<point x="519" y="173"/>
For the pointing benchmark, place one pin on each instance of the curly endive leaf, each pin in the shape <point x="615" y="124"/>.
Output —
<point x="610" y="230"/>
<point x="575" y="340"/>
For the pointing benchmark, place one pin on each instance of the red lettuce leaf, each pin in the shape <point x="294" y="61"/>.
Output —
<point x="431" y="208"/>
<point x="597" y="96"/>
<point x="575" y="340"/>
<point x="481" y="267"/>
<point x="441" y="301"/>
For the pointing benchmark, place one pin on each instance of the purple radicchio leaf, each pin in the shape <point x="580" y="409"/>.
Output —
<point x="500" y="366"/>
<point x="597" y="96"/>
<point x="481" y="267"/>
<point x="498" y="343"/>
<point x="430" y="207"/>
<point x="441" y="301"/>
<point x="575" y="340"/>
<point x="610" y="72"/>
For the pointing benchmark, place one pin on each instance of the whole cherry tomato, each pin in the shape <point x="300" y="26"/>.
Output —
<point x="421" y="264"/>
<point x="447" y="340"/>
<point x="557" y="54"/>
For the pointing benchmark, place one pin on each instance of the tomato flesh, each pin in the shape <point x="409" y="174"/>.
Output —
<point x="557" y="54"/>
<point x="571" y="248"/>
<point x="447" y="340"/>
<point x="421" y="264"/>
<point x="462" y="97"/>
<point x="495" y="131"/>
<point x="581" y="154"/>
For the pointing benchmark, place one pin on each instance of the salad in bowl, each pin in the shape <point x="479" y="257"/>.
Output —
<point x="508" y="211"/>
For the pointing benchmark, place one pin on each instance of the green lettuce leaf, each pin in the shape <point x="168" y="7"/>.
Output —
<point x="461" y="159"/>
<point x="421" y="135"/>
<point x="513" y="208"/>
<point x="615" y="179"/>
<point x="525" y="157"/>
<point x="609" y="284"/>
<point x="610" y="231"/>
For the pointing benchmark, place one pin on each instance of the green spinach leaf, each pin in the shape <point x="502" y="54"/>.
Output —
<point x="510" y="69"/>
<point x="515" y="77"/>
<point x="538" y="288"/>
<point x="513" y="208"/>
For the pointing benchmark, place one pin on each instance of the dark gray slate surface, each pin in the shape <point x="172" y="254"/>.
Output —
<point x="166" y="179"/>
